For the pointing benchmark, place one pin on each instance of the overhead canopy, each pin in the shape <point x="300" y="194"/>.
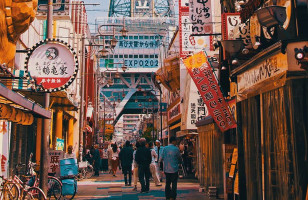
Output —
<point x="58" y="100"/>
<point x="169" y="75"/>
<point x="16" y="100"/>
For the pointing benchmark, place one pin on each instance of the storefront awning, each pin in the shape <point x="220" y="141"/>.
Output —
<point x="16" y="100"/>
<point x="58" y="100"/>
<point x="169" y="75"/>
<point x="186" y="132"/>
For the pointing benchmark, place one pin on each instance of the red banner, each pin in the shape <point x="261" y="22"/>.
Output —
<point x="203" y="76"/>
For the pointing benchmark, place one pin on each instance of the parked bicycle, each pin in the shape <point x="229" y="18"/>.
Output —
<point x="85" y="170"/>
<point x="54" y="189"/>
<point x="27" y="191"/>
<point x="8" y="190"/>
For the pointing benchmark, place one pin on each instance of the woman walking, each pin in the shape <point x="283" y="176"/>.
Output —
<point x="115" y="159"/>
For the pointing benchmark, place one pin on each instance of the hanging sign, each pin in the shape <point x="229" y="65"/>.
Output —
<point x="52" y="64"/>
<point x="4" y="148"/>
<point x="200" y="16"/>
<point x="201" y="72"/>
<point x="234" y="29"/>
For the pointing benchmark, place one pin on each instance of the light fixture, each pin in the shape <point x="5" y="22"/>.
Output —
<point x="272" y="16"/>
<point x="117" y="75"/>
<point x="235" y="61"/>
<point x="245" y="51"/>
<point x="110" y="82"/>
<point x="299" y="54"/>
<point x="103" y="53"/>
<point x="232" y="46"/>
<point x="113" y="42"/>
<point x="258" y="41"/>
<point x="124" y="32"/>
<point x="124" y="67"/>
<point x="223" y="68"/>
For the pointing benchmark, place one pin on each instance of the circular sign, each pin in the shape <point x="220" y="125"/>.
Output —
<point x="53" y="64"/>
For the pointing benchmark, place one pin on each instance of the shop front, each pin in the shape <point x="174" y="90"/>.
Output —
<point x="210" y="157"/>
<point x="174" y="117"/>
<point x="272" y="125"/>
<point x="18" y="121"/>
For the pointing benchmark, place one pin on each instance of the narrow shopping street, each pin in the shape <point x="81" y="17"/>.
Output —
<point x="108" y="187"/>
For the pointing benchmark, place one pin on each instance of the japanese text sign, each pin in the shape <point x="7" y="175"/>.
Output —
<point x="201" y="72"/>
<point x="54" y="160"/>
<point x="233" y="29"/>
<point x="52" y="64"/>
<point x="4" y="147"/>
<point x="200" y="16"/>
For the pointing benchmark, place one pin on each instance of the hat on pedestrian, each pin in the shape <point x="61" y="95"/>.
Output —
<point x="157" y="141"/>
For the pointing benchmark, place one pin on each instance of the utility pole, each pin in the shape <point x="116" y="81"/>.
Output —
<point x="104" y="128"/>
<point x="46" y="122"/>
<point x="81" y="116"/>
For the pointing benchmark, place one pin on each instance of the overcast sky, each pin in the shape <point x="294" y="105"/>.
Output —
<point x="96" y="11"/>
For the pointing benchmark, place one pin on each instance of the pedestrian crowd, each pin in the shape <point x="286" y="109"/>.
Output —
<point x="140" y="162"/>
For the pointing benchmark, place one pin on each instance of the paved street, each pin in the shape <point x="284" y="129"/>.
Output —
<point x="108" y="187"/>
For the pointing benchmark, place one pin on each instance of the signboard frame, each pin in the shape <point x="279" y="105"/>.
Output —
<point x="68" y="48"/>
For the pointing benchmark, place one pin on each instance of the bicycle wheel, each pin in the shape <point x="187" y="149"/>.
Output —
<point x="69" y="197"/>
<point x="10" y="191"/>
<point x="34" y="193"/>
<point x="54" y="188"/>
<point x="89" y="172"/>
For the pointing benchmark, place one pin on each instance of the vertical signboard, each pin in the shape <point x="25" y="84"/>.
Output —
<point x="4" y="148"/>
<point x="201" y="72"/>
<point x="196" y="108"/>
<point x="54" y="161"/>
<point x="200" y="14"/>
<point x="234" y="29"/>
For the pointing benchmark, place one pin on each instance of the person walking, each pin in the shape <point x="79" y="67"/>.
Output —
<point x="135" y="165"/>
<point x="143" y="159"/>
<point x="96" y="160"/>
<point x="171" y="158"/>
<point x="104" y="158"/>
<point x="110" y="158"/>
<point x="126" y="158"/>
<point x="115" y="159"/>
<point x="159" y="165"/>
<point x="153" y="168"/>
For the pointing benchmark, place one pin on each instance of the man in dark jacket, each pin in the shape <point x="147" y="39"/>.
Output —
<point x="143" y="159"/>
<point x="126" y="158"/>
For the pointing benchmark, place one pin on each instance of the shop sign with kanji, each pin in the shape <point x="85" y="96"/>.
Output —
<point x="201" y="72"/>
<point x="52" y="64"/>
<point x="200" y="15"/>
<point x="54" y="161"/>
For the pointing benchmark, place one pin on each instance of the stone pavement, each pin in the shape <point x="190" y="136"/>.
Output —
<point x="108" y="187"/>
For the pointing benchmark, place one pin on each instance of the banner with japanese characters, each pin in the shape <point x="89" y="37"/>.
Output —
<point x="4" y="147"/>
<point x="201" y="72"/>
<point x="200" y="15"/>
<point x="52" y="64"/>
